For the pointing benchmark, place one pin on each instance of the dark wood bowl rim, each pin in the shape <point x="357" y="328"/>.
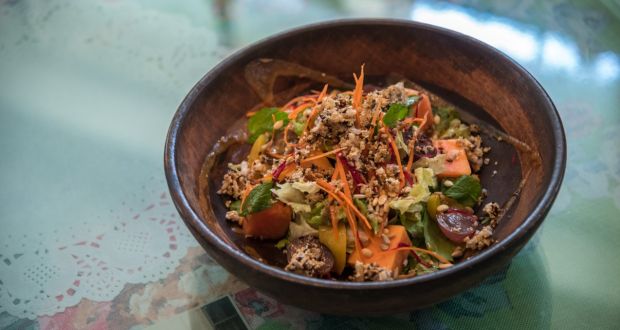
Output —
<point x="532" y="221"/>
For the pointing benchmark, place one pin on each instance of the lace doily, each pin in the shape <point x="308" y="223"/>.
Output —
<point x="43" y="273"/>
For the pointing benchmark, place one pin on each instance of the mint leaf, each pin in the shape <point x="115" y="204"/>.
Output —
<point x="262" y="122"/>
<point x="395" y="113"/>
<point x="466" y="190"/>
<point x="258" y="199"/>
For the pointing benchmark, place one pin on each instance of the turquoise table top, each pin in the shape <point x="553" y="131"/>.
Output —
<point x="89" y="238"/>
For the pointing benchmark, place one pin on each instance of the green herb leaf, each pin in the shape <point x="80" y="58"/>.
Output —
<point x="466" y="190"/>
<point x="315" y="221"/>
<point x="395" y="113"/>
<point x="235" y="206"/>
<point x="282" y="243"/>
<point x="413" y="224"/>
<point x="258" y="199"/>
<point x="298" y="127"/>
<point x="434" y="238"/>
<point x="262" y="122"/>
<point x="361" y="205"/>
<point x="446" y="115"/>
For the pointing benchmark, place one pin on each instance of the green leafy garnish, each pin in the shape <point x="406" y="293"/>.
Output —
<point x="434" y="238"/>
<point x="361" y="205"/>
<point x="262" y="122"/>
<point x="292" y="197"/>
<point x="466" y="190"/>
<point x="282" y="243"/>
<point x="421" y="269"/>
<point x="413" y="224"/>
<point x="315" y="217"/>
<point x="395" y="113"/>
<point x="235" y="206"/>
<point x="298" y="128"/>
<point x="258" y="199"/>
<point x="446" y="115"/>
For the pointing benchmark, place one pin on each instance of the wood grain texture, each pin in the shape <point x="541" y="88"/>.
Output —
<point x="467" y="72"/>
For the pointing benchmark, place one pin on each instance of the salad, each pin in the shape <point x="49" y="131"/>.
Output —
<point x="368" y="184"/>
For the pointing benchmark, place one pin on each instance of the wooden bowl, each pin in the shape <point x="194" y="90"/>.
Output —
<point x="474" y="76"/>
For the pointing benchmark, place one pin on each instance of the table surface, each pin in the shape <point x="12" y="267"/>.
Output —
<point x="89" y="236"/>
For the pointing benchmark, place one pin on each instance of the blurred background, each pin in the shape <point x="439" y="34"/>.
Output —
<point x="88" y="89"/>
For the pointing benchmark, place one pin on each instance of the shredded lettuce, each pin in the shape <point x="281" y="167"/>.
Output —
<point x="419" y="193"/>
<point x="307" y="187"/>
<point x="426" y="176"/>
<point x="436" y="164"/>
<point x="412" y="221"/>
<point x="299" y="228"/>
<point x="292" y="197"/>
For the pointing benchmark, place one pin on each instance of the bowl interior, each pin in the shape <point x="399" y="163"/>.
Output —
<point x="486" y="85"/>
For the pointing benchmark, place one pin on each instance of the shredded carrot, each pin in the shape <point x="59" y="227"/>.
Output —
<point x="323" y="93"/>
<point x="335" y="175"/>
<point x="400" y="165"/>
<point x="357" y="94"/>
<point x="325" y="154"/>
<point x="375" y="115"/>
<point x="302" y="98"/>
<point x="272" y="155"/>
<point x="410" y="92"/>
<point x="353" y="226"/>
<point x="299" y="109"/>
<point x="255" y="109"/>
<point x="372" y="126"/>
<point x="342" y="199"/>
<point x="411" y="153"/>
<point x="343" y="178"/>
<point x="313" y="114"/>
<point x="411" y="120"/>
<point x="290" y="168"/>
<point x="412" y="143"/>
<point x="417" y="249"/>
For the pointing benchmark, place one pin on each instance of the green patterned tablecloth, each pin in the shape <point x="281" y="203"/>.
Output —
<point x="90" y="240"/>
